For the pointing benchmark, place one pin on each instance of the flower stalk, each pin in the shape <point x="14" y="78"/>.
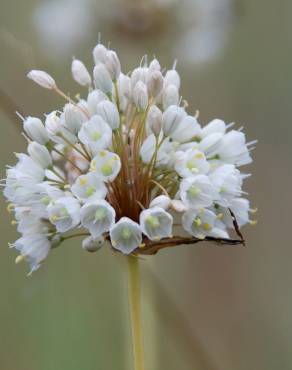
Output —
<point x="134" y="293"/>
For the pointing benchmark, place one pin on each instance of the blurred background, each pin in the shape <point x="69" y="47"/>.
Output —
<point x="204" y="307"/>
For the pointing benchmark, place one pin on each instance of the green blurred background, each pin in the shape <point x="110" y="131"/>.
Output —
<point x="204" y="307"/>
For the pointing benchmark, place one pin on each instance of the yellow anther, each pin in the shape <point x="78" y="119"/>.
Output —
<point x="202" y="210"/>
<point x="92" y="166"/>
<point x="253" y="210"/>
<point x="54" y="218"/>
<point x="199" y="155"/>
<point x="114" y="243"/>
<point x="253" y="222"/>
<point x="19" y="259"/>
<point x="206" y="226"/>
<point x="198" y="221"/>
<point x="13" y="222"/>
<point x="220" y="216"/>
<point x="142" y="245"/>
<point x="83" y="181"/>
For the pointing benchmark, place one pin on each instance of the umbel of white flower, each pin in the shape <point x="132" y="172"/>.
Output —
<point x="125" y="165"/>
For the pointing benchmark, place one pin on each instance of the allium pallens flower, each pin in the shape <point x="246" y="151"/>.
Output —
<point x="126" y="164"/>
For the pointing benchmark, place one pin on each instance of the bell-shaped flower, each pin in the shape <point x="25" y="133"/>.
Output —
<point x="214" y="126"/>
<point x="73" y="118"/>
<point x="93" y="99"/>
<point x="170" y="96"/>
<point x="40" y="154"/>
<point x="162" y="201"/>
<point x="199" y="222"/>
<point x="33" y="248"/>
<point x="35" y="129"/>
<point x="192" y="162"/>
<point x="102" y="79"/>
<point x="187" y="130"/>
<point x="228" y="180"/>
<point x="156" y="223"/>
<point x="172" y="78"/>
<point x="198" y="191"/>
<point x="171" y="119"/>
<point x="106" y="165"/>
<point x="89" y="187"/>
<point x="95" y="134"/>
<point x="64" y="213"/>
<point x="112" y="64"/>
<point x="99" y="53"/>
<point x="126" y="235"/>
<point x="109" y="113"/>
<point x="98" y="217"/>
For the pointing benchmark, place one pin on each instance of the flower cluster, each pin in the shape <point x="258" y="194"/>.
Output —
<point x="127" y="164"/>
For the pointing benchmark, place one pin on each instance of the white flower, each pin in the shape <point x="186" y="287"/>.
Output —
<point x="89" y="187"/>
<point x="40" y="154"/>
<point x="170" y="96"/>
<point x="171" y="119"/>
<point x="154" y="83"/>
<point x="240" y="207"/>
<point x="106" y="164"/>
<point x="73" y="118"/>
<point x="156" y="223"/>
<point x="99" y="54"/>
<point x="102" y="79"/>
<point x="42" y="78"/>
<point x="98" y="217"/>
<point x="154" y="120"/>
<point x="138" y="74"/>
<point x="27" y="168"/>
<point x="96" y="134"/>
<point x="33" y="248"/>
<point x="216" y="125"/>
<point x="187" y="130"/>
<point x="192" y="162"/>
<point x="199" y="223"/>
<point x="164" y="154"/>
<point x="198" y="191"/>
<point x="93" y="99"/>
<point x="109" y="112"/>
<point x="140" y="96"/>
<point x="126" y="235"/>
<point x="112" y="64"/>
<point x="172" y="78"/>
<point x="64" y="213"/>
<point x="35" y="129"/>
<point x="162" y="201"/>
<point x="80" y="73"/>
<point x="228" y="181"/>
<point x="91" y="244"/>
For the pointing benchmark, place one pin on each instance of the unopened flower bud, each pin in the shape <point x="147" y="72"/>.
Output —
<point x="155" y="83"/>
<point x="172" y="78"/>
<point x="92" y="245"/>
<point x="171" y="118"/>
<point x="40" y="154"/>
<point x="53" y="123"/>
<point x="178" y="206"/>
<point x="154" y="120"/>
<point x="138" y="74"/>
<point x="102" y="79"/>
<point x="80" y="73"/>
<point x="42" y="78"/>
<point x="140" y="96"/>
<point x="93" y="99"/>
<point x="113" y="64"/>
<point x="108" y="111"/>
<point x="170" y="96"/>
<point x="35" y="129"/>
<point x="162" y="201"/>
<point x="154" y="66"/>
<point x="99" y="54"/>
<point x="73" y="118"/>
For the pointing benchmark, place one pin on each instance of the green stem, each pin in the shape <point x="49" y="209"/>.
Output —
<point x="135" y="311"/>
